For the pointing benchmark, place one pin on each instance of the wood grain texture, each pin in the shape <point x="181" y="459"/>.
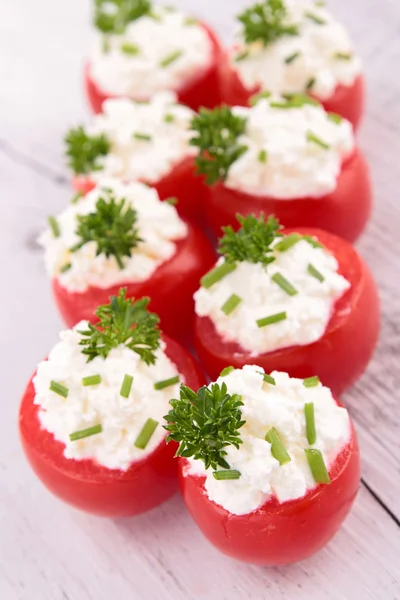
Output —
<point x="49" y="552"/>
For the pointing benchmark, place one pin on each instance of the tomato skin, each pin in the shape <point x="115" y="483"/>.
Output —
<point x="345" y="211"/>
<point x="277" y="534"/>
<point x="338" y="358"/>
<point x="346" y="101"/>
<point x="202" y="89"/>
<point x="170" y="288"/>
<point x="91" y="487"/>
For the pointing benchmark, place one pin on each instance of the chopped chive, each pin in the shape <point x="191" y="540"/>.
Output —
<point x="155" y="16"/>
<point x="84" y="433"/>
<point x="312" y="241"/>
<point x="268" y="379"/>
<point x="126" y="386"/>
<point x="315" y="18"/>
<point x="144" y="137"/>
<point x="262" y="156"/>
<point x="59" y="388"/>
<point x="289" y="59"/>
<point x="91" y="380"/>
<point x="230" y="305"/>
<point x="271" y="319"/>
<point x="128" y="48"/>
<point x="76" y="197"/>
<point x="288" y="242"/>
<point x="169" y="118"/>
<point x="335" y="118"/>
<point x="278" y="449"/>
<point x="242" y="55"/>
<point x="191" y="21"/>
<point x="311" y="381"/>
<point x="217" y="274"/>
<point x="284" y="284"/>
<point x="315" y="273"/>
<point x="171" y="58"/>
<point x="55" y="228"/>
<point x="145" y="434"/>
<point x="254" y="99"/>
<point x="310" y="83"/>
<point x="310" y="423"/>
<point x="311" y="137"/>
<point x="65" y="268"/>
<point x="320" y="3"/>
<point x="343" y="56"/>
<point x="226" y="371"/>
<point x="105" y="45"/>
<point x="226" y="475"/>
<point x="172" y="201"/>
<point x="317" y="465"/>
<point x="160" y="385"/>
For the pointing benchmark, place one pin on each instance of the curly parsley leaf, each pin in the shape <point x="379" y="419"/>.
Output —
<point x="83" y="151"/>
<point x="112" y="16"/>
<point x="266" y="22"/>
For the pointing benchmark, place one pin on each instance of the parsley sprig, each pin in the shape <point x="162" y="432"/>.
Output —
<point x="265" y="22"/>
<point x="252" y="242"/>
<point x="205" y="423"/>
<point x="122" y="321"/>
<point x="217" y="136"/>
<point x="112" y="16"/>
<point x="83" y="151"/>
<point x="112" y="226"/>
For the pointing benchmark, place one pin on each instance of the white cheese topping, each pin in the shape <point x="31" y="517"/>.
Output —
<point x="122" y="419"/>
<point x="150" y="66"/>
<point x="280" y="406"/>
<point x="307" y="313"/>
<point x="323" y="53"/>
<point x="147" y="139"/>
<point x="293" y="166"/>
<point x="158" y="224"/>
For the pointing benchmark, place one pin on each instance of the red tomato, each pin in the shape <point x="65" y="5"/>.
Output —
<point x="339" y="357"/>
<point x="95" y="488"/>
<point x="345" y="211"/>
<point x="170" y="288"/>
<point x="202" y="89"/>
<point x="181" y="182"/>
<point x="278" y="534"/>
<point x="347" y="101"/>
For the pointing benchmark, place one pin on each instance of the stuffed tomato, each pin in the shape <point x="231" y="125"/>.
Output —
<point x="287" y="157"/>
<point x="304" y="302"/>
<point x="140" y="49"/>
<point x="271" y="475"/>
<point x="121" y="234"/>
<point x="91" y="418"/>
<point x="289" y="47"/>
<point x="134" y="141"/>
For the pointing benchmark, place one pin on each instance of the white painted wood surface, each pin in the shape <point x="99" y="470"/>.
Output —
<point x="50" y="552"/>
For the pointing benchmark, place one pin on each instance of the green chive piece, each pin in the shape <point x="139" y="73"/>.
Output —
<point x="320" y="3"/>
<point x="315" y="18"/>
<point x="262" y="156"/>
<point x="217" y="274"/>
<point x="271" y="319"/>
<point x="191" y="21"/>
<point x="310" y="423"/>
<point x="278" y="449"/>
<point x="172" y="201"/>
<point x="289" y="59"/>
<point x="65" y="268"/>
<point x="288" y="242"/>
<point x="311" y="137"/>
<point x="75" y="199"/>
<point x="155" y="16"/>
<point x="335" y="118"/>
<point x="343" y="55"/>
<point x="171" y="58"/>
<point x="310" y="83"/>
<point x="268" y="379"/>
<point x="145" y="434"/>
<point x="226" y="475"/>
<point x="59" y="388"/>
<point x="169" y="118"/>
<point x="91" y="380"/>
<point x="160" y="385"/>
<point x="55" y="228"/>
<point x="284" y="284"/>
<point x="126" y="386"/>
<point x="254" y="99"/>
<point x="317" y="466"/>
<point x="144" y="137"/>
<point x="84" y="433"/>
<point x="242" y="55"/>
<point x="312" y="241"/>
<point x="232" y="303"/>
<point x="130" y="49"/>
<point x="226" y="371"/>
<point x="311" y="381"/>
<point x="315" y="273"/>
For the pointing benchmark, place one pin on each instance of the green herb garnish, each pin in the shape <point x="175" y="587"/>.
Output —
<point x="277" y="318"/>
<point x="126" y="386"/>
<point x="268" y="379"/>
<point x="84" y="433"/>
<point x="311" y="381"/>
<point x="169" y="118"/>
<point x="317" y="466"/>
<point x="278" y="449"/>
<point x="312" y="241"/>
<point x="217" y="136"/>
<point x="343" y="55"/>
<point x="284" y="284"/>
<point x="161" y="385"/>
<point x="226" y="371"/>
<point x="65" y="268"/>
<point x="226" y="475"/>
<point x="292" y="57"/>
<point x="143" y="137"/>
<point x="91" y="380"/>
<point x="266" y="22"/>
<point x="334" y="118"/>
<point x="191" y="21"/>
<point x="315" y="18"/>
<point x="122" y="321"/>
<point x="83" y="151"/>
<point x="262" y="156"/>
<point x="315" y="273"/>
<point x="242" y="55"/>
<point x="112" y="16"/>
<point x="310" y="83"/>
<point x="130" y="49"/>
<point x="233" y="302"/>
<point x="311" y="137"/>
<point x="146" y="433"/>
<point x="294" y="101"/>
<point x="171" y="58"/>
<point x="217" y="274"/>
<point x="260" y="96"/>
<point x="288" y="242"/>
<point x="173" y="201"/>
<point x="54" y="226"/>
<point x="59" y="388"/>
<point x="76" y="197"/>
<point x="205" y="423"/>
<point x="310" y="423"/>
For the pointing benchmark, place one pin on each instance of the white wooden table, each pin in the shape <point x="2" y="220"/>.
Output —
<point x="51" y="552"/>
